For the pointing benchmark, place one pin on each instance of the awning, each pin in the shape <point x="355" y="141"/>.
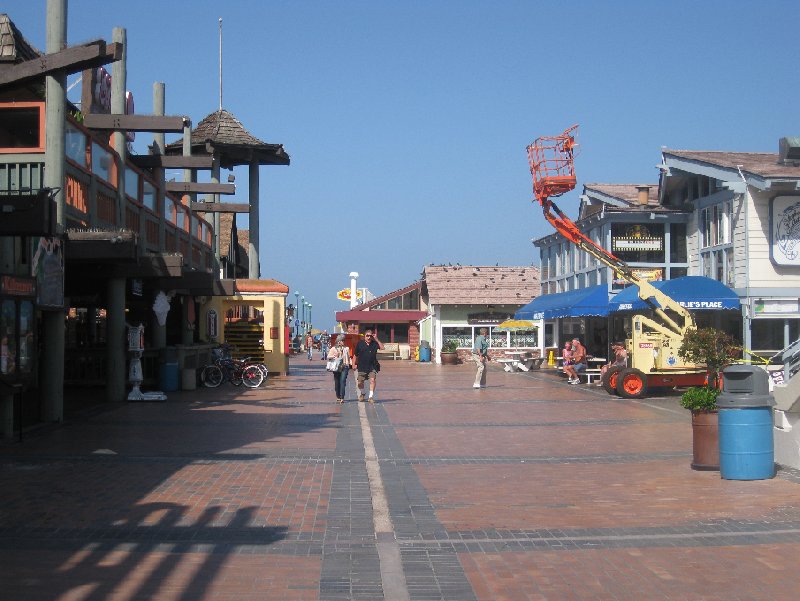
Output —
<point x="585" y="302"/>
<point x="692" y="292"/>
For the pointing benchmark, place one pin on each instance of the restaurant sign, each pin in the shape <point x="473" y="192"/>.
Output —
<point x="637" y="244"/>
<point x="488" y="318"/>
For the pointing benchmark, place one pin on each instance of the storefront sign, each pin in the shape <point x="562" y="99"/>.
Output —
<point x="211" y="323"/>
<point x="345" y="294"/>
<point x="48" y="270"/>
<point x="637" y="244"/>
<point x="775" y="306"/>
<point x="15" y="286"/>
<point x="784" y="219"/>
<point x="487" y="318"/>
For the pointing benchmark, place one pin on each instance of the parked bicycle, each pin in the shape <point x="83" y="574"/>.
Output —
<point x="226" y="368"/>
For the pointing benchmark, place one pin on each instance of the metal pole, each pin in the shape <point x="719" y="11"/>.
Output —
<point x="254" y="267"/>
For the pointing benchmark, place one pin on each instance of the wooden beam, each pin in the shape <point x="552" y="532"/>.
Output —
<point x="220" y="207"/>
<point x="157" y="123"/>
<point x="194" y="187"/>
<point x="69" y="60"/>
<point x="166" y="161"/>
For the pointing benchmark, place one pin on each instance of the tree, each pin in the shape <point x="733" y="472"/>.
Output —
<point x="711" y="347"/>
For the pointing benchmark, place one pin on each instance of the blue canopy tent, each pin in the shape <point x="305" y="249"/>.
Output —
<point x="585" y="302"/>
<point x="692" y="292"/>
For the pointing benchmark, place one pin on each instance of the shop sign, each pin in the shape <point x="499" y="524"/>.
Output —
<point x="99" y="96"/>
<point x="489" y="318"/>
<point x="345" y="294"/>
<point x="784" y="220"/>
<point x="637" y="244"/>
<point x="655" y="274"/>
<point x="48" y="270"/>
<point x="15" y="286"/>
<point x="211" y="323"/>
<point x="775" y="306"/>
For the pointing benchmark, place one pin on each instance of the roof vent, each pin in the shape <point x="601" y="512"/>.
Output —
<point x="789" y="150"/>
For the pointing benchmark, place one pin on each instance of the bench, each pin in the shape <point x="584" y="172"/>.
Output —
<point x="390" y="349"/>
<point x="533" y="362"/>
<point x="590" y="374"/>
<point x="508" y="364"/>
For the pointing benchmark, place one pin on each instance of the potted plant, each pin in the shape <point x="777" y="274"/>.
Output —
<point x="715" y="349"/>
<point x="449" y="354"/>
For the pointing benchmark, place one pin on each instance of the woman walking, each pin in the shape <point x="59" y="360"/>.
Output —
<point x="340" y="351"/>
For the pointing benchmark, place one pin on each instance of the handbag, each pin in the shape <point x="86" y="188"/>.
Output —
<point x="334" y="364"/>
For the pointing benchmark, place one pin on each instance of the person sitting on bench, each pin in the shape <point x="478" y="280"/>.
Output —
<point x="620" y="359"/>
<point x="578" y="362"/>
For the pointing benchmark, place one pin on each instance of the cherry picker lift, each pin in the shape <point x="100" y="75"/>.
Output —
<point x="654" y="342"/>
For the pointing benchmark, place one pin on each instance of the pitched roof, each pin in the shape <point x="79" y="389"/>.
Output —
<point x="226" y="134"/>
<point x="481" y="284"/>
<point x="13" y="46"/>
<point x="628" y="193"/>
<point x="764" y="164"/>
<point x="389" y="295"/>
<point x="245" y="285"/>
<point x="225" y="230"/>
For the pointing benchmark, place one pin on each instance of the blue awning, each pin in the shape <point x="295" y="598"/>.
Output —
<point x="691" y="291"/>
<point x="585" y="302"/>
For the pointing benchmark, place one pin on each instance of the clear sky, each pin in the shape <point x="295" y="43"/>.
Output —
<point x="407" y="121"/>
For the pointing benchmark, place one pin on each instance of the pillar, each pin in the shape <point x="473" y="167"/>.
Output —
<point x="254" y="268"/>
<point x="116" y="361"/>
<point x="53" y="332"/>
<point x="119" y="77"/>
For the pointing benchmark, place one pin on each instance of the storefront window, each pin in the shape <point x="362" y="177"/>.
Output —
<point x="677" y="243"/>
<point x="132" y="184"/>
<point x="25" y="336"/>
<point x="524" y="338"/>
<point x="497" y="338"/>
<point x="102" y="161"/>
<point x="8" y="336"/>
<point x="463" y="335"/>
<point x="76" y="145"/>
<point x="638" y="243"/>
<point x="767" y="335"/>
<point x="149" y="195"/>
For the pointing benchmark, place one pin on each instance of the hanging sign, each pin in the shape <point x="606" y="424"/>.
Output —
<point x="345" y="294"/>
<point x="211" y="323"/>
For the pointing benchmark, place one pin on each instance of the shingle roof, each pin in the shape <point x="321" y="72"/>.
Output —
<point x="628" y="193"/>
<point x="764" y="164"/>
<point x="481" y="284"/>
<point x="14" y="47"/>
<point x="225" y="227"/>
<point x="384" y="297"/>
<point x="225" y="133"/>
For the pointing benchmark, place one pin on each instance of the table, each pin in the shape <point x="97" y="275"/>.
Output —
<point x="516" y="361"/>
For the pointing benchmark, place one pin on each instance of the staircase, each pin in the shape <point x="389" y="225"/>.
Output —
<point x="247" y="339"/>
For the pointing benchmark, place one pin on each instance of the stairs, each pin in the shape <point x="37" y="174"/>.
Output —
<point x="247" y="339"/>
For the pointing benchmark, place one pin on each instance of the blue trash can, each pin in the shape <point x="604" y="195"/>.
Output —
<point x="746" y="447"/>
<point x="424" y="354"/>
<point x="168" y="377"/>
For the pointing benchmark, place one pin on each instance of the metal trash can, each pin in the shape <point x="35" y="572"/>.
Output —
<point x="746" y="447"/>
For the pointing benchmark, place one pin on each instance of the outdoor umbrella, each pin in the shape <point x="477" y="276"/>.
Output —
<point x="516" y="324"/>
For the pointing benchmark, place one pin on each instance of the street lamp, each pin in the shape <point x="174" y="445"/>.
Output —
<point x="309" y="316"/>
<point x="296" y="313"/>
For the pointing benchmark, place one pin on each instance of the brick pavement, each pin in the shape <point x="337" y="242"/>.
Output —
<point x="529" y="489"/>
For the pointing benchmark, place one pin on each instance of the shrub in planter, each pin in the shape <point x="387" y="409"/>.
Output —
<point x="700" y="398"/>
<point x="450" y="346"/>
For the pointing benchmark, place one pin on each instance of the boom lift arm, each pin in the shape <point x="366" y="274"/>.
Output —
<point x="552" y="167"/>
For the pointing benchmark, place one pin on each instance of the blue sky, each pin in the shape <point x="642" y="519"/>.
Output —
<point x="407" y="122"/>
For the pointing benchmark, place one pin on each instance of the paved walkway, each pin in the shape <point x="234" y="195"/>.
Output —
<point x="530" y="489"/>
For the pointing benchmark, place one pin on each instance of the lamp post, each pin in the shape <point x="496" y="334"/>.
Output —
<point x="309" y="316"/>
<point x="296" y="313"/>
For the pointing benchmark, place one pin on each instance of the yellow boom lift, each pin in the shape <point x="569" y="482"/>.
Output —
<point x="653" y="344"/>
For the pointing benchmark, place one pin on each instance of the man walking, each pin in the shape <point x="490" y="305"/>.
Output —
<point x="366" y="363"/>
<point x="480" y="355"/>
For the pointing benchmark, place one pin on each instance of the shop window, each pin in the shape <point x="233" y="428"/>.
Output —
<point x="462" y="335"/>
<point x="524" y="338"/>
<point x="8" y="337"/>
<point x="102" y="162"/>
<point x="767" y="335"/>
<point x="22" y="127"/>
<point x="384" y="332"/>
<point x="400" y="332"/>
<point x="76" y="149"/>
<point x="677" y="243"/>
<point x="638" y="243"/>
<point x="132" y="184"/>
<point x="498" y="339"/>
<point x="149" y="195"/>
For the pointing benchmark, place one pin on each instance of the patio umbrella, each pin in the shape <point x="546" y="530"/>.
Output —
<point x="516" y="324"/>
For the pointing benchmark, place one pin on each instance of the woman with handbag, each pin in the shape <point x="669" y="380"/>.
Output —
<point x="339" y="364"/>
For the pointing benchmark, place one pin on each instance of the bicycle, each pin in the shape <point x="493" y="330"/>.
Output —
<point x="227" y="368"/>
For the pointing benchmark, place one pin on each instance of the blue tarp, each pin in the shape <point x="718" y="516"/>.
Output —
<point x="586" y="302"/>
<point x="691" y="291"/>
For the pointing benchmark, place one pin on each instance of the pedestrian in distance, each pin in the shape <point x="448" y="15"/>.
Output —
<point x="578" y="362"/>
<point x="324" y="341"/>
<point x="366" y="364"/>
<point x="620" y="359"/>
<point x="480" y="355"/>
<point x="340" y="351"/>
<point x="310" y="346"/>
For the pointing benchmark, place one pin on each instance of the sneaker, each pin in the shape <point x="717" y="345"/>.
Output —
<point x="372" y="399"/>
<point x="361" y="397"/>
<point x="476" y="385"/>
<point x="574" y="381"/>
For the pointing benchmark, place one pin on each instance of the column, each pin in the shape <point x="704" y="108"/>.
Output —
<point x="254" y="269"/>
<point x="116" y="360"/>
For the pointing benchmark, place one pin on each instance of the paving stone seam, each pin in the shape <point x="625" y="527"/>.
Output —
<point x="517" y="424"/>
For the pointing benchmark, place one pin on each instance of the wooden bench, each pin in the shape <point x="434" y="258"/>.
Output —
<point x="390" y="349"/>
